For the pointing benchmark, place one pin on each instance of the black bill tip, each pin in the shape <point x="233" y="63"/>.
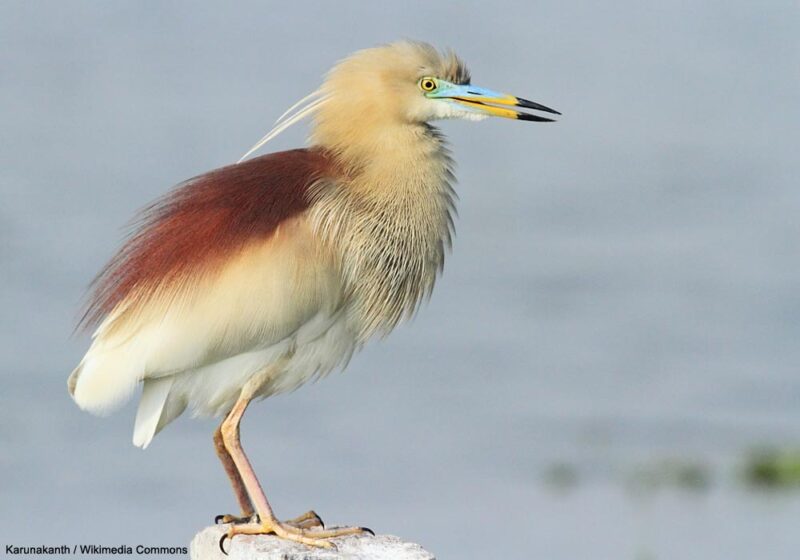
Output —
<point x="533" y="105"/>
<point x="535" y="118"/>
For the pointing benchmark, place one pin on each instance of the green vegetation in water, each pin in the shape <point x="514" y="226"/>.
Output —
<point x="561" y="476"/>
<point x="690" y="475"/>
<point x="686" y="474"/>
<point x="772" y="468"/>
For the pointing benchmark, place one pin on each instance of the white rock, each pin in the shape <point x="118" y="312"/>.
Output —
<point x="205" y="546"/>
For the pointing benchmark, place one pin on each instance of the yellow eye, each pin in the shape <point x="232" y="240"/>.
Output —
<point x="427" y="84"/>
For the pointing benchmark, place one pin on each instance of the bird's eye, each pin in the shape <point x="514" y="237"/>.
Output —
<point x="427" y="84"/>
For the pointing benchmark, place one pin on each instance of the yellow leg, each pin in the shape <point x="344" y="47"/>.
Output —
<point x="239" y="490"/>
<point x="308" y="520"/>
<point x="268" y="523"/>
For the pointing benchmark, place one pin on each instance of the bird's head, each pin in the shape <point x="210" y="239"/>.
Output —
<point x="412" y="82"/>
<point x="366" y="96"/>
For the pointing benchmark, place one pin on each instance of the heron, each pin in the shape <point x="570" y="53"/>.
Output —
<point x="254" y="278"/>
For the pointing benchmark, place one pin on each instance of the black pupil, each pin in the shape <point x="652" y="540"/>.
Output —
<point x="428" y="84"/>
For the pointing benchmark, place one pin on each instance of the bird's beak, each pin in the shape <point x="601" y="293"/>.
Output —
<point x="481" y="100"/>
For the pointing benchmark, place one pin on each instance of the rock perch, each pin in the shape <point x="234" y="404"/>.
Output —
<point x="205" y="546"/>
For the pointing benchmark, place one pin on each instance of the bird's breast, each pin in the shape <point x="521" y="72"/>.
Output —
<point x="390" y="244"/>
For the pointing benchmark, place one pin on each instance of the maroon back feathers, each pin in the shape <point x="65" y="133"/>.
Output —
<point x="198" y="225"/>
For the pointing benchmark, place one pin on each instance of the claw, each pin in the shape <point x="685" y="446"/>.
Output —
<point x="222" y="542"/>
<point x="218" y="519"/>
<point x="368" y="530"/>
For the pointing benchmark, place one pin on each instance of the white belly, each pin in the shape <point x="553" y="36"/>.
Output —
<point x="319" y="346"/>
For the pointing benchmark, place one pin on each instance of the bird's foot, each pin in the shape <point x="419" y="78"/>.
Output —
<point x="293" y="532"/>
<point x="224" y="519"/>
<point x="309" y="520"/>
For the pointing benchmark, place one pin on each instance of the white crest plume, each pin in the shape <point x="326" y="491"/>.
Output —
<point x="302" y="109"/>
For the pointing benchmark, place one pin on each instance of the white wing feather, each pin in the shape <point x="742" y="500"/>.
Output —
<point x="151" y="405"/>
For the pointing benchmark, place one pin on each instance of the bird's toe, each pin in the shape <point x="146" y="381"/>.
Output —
<point x="308" y="520"/>
<point x="224" y="519"/>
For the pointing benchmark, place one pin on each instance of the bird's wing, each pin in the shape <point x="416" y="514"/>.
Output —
<point x="225" y="264"/>
<point x="196" y="227"/>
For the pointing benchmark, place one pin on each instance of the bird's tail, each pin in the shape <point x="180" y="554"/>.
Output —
<point x="93" y="391"/>
<point x="104" y="380"/>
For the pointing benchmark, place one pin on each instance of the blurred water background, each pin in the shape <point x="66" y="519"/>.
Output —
<point x="616" y="330"/>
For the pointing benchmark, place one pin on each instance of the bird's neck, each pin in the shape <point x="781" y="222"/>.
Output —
<point x="389" y="220"/>
<point x="401" y="167"/>
<point x="361" y="144"/>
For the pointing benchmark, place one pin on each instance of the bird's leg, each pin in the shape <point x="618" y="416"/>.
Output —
<point x="236" y="482"/>
<point x="267" y="523"/>
<point x="308" y="520"/>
